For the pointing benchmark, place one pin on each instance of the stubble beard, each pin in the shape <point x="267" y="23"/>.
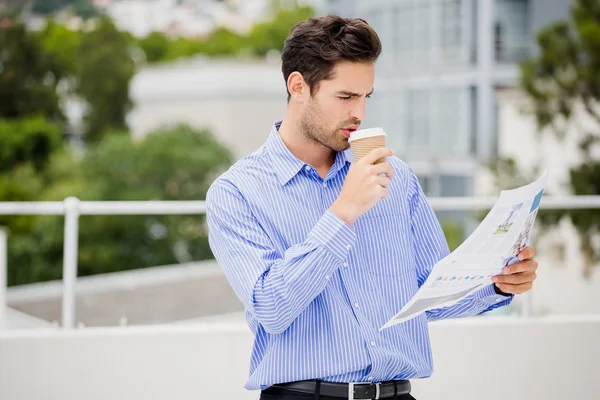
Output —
<point x="315" y="132"/>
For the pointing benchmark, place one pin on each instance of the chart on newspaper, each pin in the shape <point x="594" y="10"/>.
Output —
<point x="504" y="232"/>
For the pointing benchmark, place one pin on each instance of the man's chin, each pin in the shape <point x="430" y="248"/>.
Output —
<point x="343" y="147"/>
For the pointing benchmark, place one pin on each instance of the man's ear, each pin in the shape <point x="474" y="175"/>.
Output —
<point x="297" y="86"/>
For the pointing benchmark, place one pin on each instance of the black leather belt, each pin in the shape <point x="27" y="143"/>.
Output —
<point x="351" y="391"/>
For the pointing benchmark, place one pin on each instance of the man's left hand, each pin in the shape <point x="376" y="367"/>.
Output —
<point x="518" y="278"/>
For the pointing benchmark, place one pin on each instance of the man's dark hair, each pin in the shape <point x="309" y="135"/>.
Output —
<point x="316" y="45"/>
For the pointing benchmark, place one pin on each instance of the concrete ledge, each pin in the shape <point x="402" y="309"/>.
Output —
<point x="548" y="358"/>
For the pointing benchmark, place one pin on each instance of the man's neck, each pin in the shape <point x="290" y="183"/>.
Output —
<point x="311" y="152"/>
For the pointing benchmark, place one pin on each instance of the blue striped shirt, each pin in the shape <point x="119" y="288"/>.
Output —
<point x="316" y="290"/>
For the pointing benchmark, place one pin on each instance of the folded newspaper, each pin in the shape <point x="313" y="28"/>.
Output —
<point x="500" y="237"/>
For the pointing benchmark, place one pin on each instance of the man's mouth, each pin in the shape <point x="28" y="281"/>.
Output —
<point x="348" y="131"/>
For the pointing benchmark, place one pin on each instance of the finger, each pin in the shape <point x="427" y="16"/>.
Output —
<point x="383" y="169"/>
<point x="523" y="266"/>
<point x="514" y="289"/>
<point x="383" y="192"/>
<point x="527" y="253"/>
<point x="383" y="181"/>
<point x="375" y="155"/>
<point x="515" y="279"/>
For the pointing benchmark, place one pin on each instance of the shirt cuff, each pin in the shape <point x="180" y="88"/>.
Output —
<point x="488" y="296"/>
<point x="334" y="234"/>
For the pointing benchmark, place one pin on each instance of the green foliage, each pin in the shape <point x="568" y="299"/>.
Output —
<point x="49" y="6"/>
<point x="271" y="35"/>
<point x="507" y="174"/>
<point x="29" y="140"/>
<point x="155" y="46"/>
<point x="28" y="76"/>
<point x="27" y="145"/>
<point x="182" y="48"/>
<point x="262" y="38"/>
<point x="563" y="84"/>
<point x="85" y="9"/>
<point x="105" y="69"/>
<point x="169" y="164"/>
<point x="61" y="46"/>
<point x="224" y="42"/>
<point x="453" y="230"/>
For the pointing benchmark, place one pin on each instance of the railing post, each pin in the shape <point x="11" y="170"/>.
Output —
<point x="70" y="254"/>
<point x="3" y="276"/>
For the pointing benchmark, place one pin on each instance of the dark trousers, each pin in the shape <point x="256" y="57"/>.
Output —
<point x="271" y="394"/>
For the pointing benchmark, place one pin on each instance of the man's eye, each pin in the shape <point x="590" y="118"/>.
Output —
<point x="368" y="96"/>
<point x="345" y="98"/>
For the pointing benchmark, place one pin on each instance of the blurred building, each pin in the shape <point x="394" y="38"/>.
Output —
<point x="436" y="82"/>
<point x="238" y="100"/>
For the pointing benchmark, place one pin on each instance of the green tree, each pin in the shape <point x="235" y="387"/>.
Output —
<point x="29" y="140"/>
<point x="453" y="231"/>
<point x="155" y="46"/>
<point x="224" y="42"/>
<point x="85" y="9"/>
<point x="49" y="6"/>
<point x="184" y="47"/>
<point x="169" y="164"/>
<point x="563" y="85"/>
<point x="105" y="69"/>
<point x="27" y="145"/>
<point x="31" y="120"/>
<point x="271" y="35"/>
<point x="28" y="76"/>
<point x="61" y="45"/>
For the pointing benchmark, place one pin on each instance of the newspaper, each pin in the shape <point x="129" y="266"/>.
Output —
<point x="505" y="231"/>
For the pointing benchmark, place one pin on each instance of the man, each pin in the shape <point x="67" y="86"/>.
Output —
<point x="323" y="250"/>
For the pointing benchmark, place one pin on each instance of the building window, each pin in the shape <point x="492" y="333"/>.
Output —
<point x="454" y="185"/>
<point x="419" y="116"/>
<point x="422" y="33"/>
<point x="511" y="30"/>
<point x="451" y="30"/>
<point x="402" y="35"/>
<point x="426" y="186"/>
<point x="452" y="131"/>
<point x="426" y="31"/>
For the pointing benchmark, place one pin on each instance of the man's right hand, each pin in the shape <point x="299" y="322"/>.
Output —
<point x="364" y="186"/>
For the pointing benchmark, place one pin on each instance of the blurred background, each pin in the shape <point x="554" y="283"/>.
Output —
<point x="139" y="100"/>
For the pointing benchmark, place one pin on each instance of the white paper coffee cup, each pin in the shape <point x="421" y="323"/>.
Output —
<point x="363" y="141"/>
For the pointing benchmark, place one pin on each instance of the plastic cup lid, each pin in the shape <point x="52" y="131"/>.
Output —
<point x="365" y="133"/>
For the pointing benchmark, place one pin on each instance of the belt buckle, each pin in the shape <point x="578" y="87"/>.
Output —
<point x="351" y="389"/>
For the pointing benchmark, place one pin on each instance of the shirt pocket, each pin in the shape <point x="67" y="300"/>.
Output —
<point x="385" y="244"/>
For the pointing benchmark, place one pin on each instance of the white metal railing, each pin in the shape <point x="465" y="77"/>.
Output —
<point x="72" y="208"/>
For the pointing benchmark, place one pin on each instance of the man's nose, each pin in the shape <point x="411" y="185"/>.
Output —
<point x="359" y="109"/>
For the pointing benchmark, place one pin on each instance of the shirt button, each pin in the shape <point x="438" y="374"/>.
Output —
<point x="356" y="305"/>
<point x="348" y="247"/>
<point x="373" y="344"/>
<point x="345" y="265"/>
<point x="327" y="277"/>
<point x="324" y="184"/>
<point x="307" y="168"/>
<point x="498" y="299"/>
<point x="370" y="378"/>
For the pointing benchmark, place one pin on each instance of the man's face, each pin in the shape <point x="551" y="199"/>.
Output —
<point x="338" y="107"/>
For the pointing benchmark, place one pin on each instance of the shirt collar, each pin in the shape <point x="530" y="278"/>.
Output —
<point x="287" y="165"/>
